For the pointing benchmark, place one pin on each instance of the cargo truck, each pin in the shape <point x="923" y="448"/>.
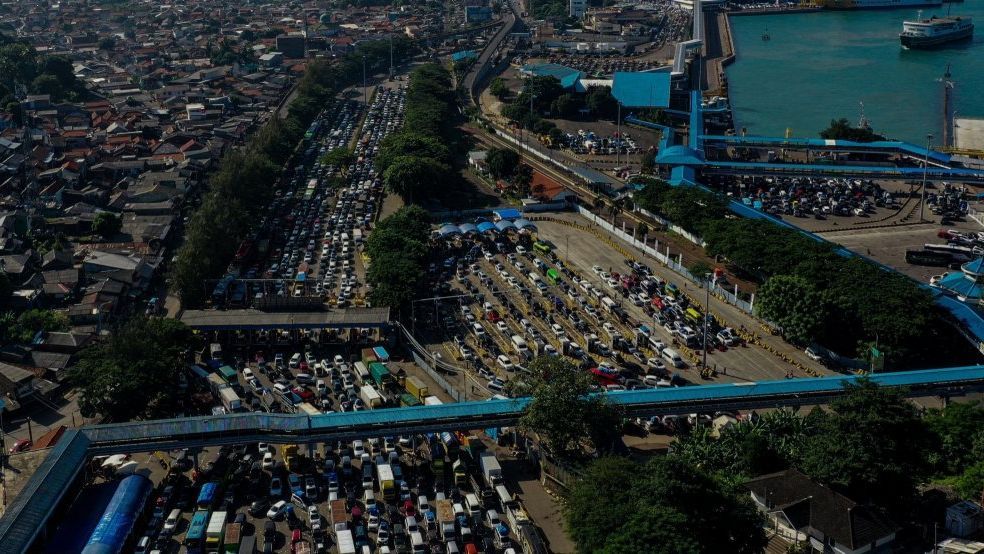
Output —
<point x="445" y="518"/>
<point x="380" y="374"/>
<point x="290" y="455"/>
<point x="307" y="409"/>
<point x="371" y="398"/>
<point x="491" y="469"/>
<point x="230" y="400"/>
<point x="387" y="482"/>
<point x="339" y="515"/>
<point x="416" y="387"/>
<point x="432" y="401"/>
<point x="232" y="535"/>
<point x="345" y="542"/>
<point x="214" y="531"/>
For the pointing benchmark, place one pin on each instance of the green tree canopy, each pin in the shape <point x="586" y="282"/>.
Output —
<point x="135" y="372"/>
<point x="415" y="177"/>
<point x="563" y="415"/>
<point x="841" y="129"/>
<point x="871" y="445"/>
<point x="398" y="248"/>
<point x="502" y="162"/>
<point x="792" y="303"/>
<point x="107" y="224"/>
<point x="617" y="505"/>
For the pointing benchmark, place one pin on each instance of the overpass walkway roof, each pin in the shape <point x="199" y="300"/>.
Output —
<point x="773" y="168"/>
<point x="877" y="146"/>
<point x="233" y="320"/>
<point x="27" y="516"/>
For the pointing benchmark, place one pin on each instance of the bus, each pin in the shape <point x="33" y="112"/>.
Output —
<point x="541" y="247"/>
<point x="409" y="401"/>
<point x="553" y="276"/>
<point x="195" y="537"/>
<point x="207" y="495"/>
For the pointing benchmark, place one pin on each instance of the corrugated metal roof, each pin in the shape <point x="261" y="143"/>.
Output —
<point x="649" y="89"/>
<point x="25" y="517"/>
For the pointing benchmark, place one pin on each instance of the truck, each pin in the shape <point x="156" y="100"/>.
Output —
<point x="491" y="469"/>
<point x="445" y="518"/>
<point x="230" y="399"/>
<point x="608" y="304"/>
<point x="460" y="472"/>
<point x="345" y="542"/>
<point x="387" y="482"/>
<point x="216" y="383"/>
<point x="432" y="401"/>
<point x="416" y="387"/>
<point x="232" y="537"/>
<point x="519" y="345"/>
<point x="362" y="372"/>
<point x="339" y="517"/>
<point x="371" y="397"/>
<point x="307" y="409"/>
<point x="290" y="455"/>
<point x="214" y="532"/>
<point x="380" y="374"/>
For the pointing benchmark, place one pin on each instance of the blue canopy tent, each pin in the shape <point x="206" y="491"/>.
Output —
<point x="486" y="226"/>
<point x="504" y="226"/>
<point x="523" y="223"/>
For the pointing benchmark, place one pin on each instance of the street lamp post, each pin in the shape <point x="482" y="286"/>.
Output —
<point x="365" y="91"/>
<point x="618" y="135"/>
<point x="922" y="201"/>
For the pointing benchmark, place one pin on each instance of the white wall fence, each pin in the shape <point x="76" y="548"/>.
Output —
<point x="653" y="249"/>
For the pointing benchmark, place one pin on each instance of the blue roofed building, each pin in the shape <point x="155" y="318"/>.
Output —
<point x="648" y="89"/>
<point x="476" y="14"/>
<point x="567" y="76"/>
<point x="967" y="284"/>
<point x="463" y="55"/>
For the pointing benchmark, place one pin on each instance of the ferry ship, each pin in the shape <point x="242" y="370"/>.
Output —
<point x="877" y="4"/>
<point x="927" y="33"/>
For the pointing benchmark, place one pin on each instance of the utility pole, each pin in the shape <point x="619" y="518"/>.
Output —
<point x="618" y="133"/>
<point x="365" y="91"/>
<point x="922" y="201"/>
<point x="391" y="56"/>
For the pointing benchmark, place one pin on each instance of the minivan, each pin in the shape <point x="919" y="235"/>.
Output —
<point x="171" y="523"/>
<point x="673" y="357"/>
<point x="417" y="542"/>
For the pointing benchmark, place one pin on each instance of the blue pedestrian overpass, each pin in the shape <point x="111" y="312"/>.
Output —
<point x="27" y="517"/>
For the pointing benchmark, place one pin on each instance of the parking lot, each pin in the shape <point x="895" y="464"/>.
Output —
<point x="517" y="295"/>
<point x="388" y="494"/>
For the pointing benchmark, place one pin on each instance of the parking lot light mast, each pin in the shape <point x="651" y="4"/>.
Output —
<point x="365" y="91"/>
<point x="922" y="202"/>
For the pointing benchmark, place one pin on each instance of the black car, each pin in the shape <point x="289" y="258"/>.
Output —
<point x="259" y="507"/>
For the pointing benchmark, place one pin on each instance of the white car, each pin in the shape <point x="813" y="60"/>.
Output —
<point x="504" y="362"/>
<point x="247" y="374"/>
<point x="358" y="448"/>
<point x="558" y="331"/>
<point x="597" y="269"/>
<point x="277" y="509"/>
<point x="268" y="462"/>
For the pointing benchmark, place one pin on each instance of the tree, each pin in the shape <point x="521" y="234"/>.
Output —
<point x="6" y="288"/>
<point x="411" y="176"/>
<point x="398" y="248"/>
<point x="339" y="157"/>
<point x="107" y="224"/>
<point x="958" y="430"/>
<point x="135" y="372"/>
<point x="410" y="143"/>
<point x="31" y="322"/>
<point x="565" y="106"/>
<point x="107" y="43"/>
<point x="47" y="84"/>
<point x="601" y="102"/>
<point x="668" y="499"/>
<point x="502" y="162"/>
<point x="794" y="305"/>
<point x="498" y="88"/>
<point x="563" y="415"/>
<point x="841" y="129"/>
<point x="871" y="446"/>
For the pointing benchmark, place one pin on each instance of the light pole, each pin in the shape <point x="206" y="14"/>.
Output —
<point x="922" y="201"/>
<point x="365" y="91"/>
<point x="618" y="135"/>
<point x="707" y="311"/>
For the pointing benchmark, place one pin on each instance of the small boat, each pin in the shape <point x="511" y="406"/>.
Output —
<point x="765" y="35"/>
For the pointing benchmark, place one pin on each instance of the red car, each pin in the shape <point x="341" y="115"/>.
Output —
<point x="408" y="509"/>
<point x="492" y="316"/>
<point x="305" y="394"/>
<point x="22" y="445"/>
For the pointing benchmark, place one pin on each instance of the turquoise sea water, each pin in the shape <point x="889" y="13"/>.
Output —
<point x="819" y="66"/>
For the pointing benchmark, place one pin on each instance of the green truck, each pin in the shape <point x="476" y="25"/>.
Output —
<point x="380" y="375"/>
